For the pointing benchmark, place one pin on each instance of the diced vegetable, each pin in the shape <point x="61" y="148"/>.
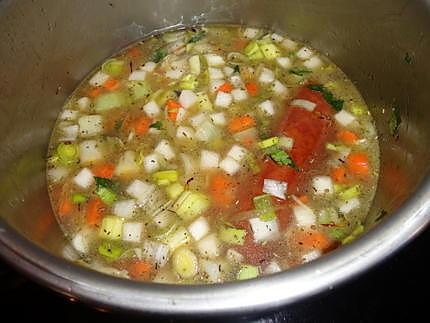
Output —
<point x="111" y="228"/>
<point x="165" y="149"/>
<point x="215" y="73"/>
<point x="239" y="95"/>
<point x="109" y="250"/>
<point x="237" y="153"/>
<point x="229" y="165"/>
<point x="328" y="96"/>
<point x="141" y="191"/>
<point x="349" y="193"/>
<point x="57" y="174"/>
<point x="218" y="118"/>
<point x="354" y="235"/>
<point x="252" y="88"/>
<point x="69" y="115"/>
<point x="264" y="230"/>
<point x="185" y="133"/>
<point x="81" y="242"/>
<point x="286" y="142"/>
<point x="322" y="185"/>
<point x="209" y="159"/>
<point x="267" y="107"/>
<point x="241" y="123"/>
<point x="127" y="164"/>
<point x="137" y="76"/>
<point x="151" y="109"/>
<point x="158" y="55"/>
<point x="185" y="263"/>
<point x="312" y="63"/>
<point x="247" y="272"/>
<point x="165" y="177"/>
<point x="347" y="206"/>
<point x="139" y="90"/>
<point x="304" y="53"/>
<point x="124" y="208"/>
<point x="207" y="131"/>
<point x="174" y="190"/>
<point x="204" y="102"/>
<point x="268" y="142"/>
<point x="132" y="231"/>
<point x="270" y="51"/>
<point x="67" y="153"/>
<point x="187" y="98"/>
<point x="275" y="188"/>
<point x="191" y="205"/>
<point x="344" y="118"/>
<point x="151" y="163"/>
<point x="311" y="255"/>
<point x="194" y="62"/>
<point x="223" y="100"/>
<point x="157" y="252"/>
<point x="347" y="136"/>
<point x="232" y="235"/>
<point x="209" y="246"/>
<point x="358" y="164"/>
<point x="214" y="60"/>
<point x="188" y="82"/>
<point x="84" y="178"/>
<point x="253" y="51"/>
<point x="234" y="257"/>
<point x="304" y="216"/>
<point x="283" y="62"/>
<point x="113" y="67"/>
<point x="110" y="100"/>
<point x="328" y="216"/>
<point x="98" y="79"/>
<point x="266" y="76"/>
<point x="178" y="238"/>
<point x="305" y="104"/>
<point x="78" y="198"/>
<point x="199" y="228"/>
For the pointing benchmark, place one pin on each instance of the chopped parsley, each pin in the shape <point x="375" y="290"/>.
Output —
<point x="236" y="69"/>
<point x="337" y="104"/>
<point x="158" y="55"/>
<point x="299" y="71"/>
<point x="408" y="58"/>
<point x="157" y="125"/>
<point x="198" y="36"/>
<point x="282" y="158"/>
<point x="103" y="182"/>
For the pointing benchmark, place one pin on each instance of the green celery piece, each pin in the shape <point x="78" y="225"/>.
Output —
<point x="349" y="193"/>
<point x="204" y="102"/>
<point x="67" y="153"/>
<point x="109" y="250"/>
<point x="253" y="51"/>
<point x="247" y="272"/>
<point x="113" y="67"/>
<point x="328" y="215"/>
<point x="268" y="216"/>
<point x="191" y="205"/>
<point x="252" y="164"/>
<point x="359" y="229"/>
<point x="107" y="195"/>
<point x="110" y="100"/>
<point x="166" y="176"/>
<point x="111" y="228"/>
<point x="270" y="51"/>
<point x="336" y="147"/>
<point x="174" y="190"/>
<point x="79" y="198"/>
<point x="232" y="235"/>
<point x="263" y="202"/>
<point x="357" y="109"/>
<point x="299" y="71"/>
<point x="336" y="233"/>
<point x="139" y="90"/>
<point x="337" y="104"/>
<point x="268" y="142"/>
<point x="339" y="187"/>
<point x="188" y="82"/>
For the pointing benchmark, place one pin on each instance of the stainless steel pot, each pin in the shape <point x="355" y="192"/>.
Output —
<point x="47" y="47"/>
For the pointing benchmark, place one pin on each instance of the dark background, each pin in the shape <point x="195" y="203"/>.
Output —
<point x="395" y="290"/>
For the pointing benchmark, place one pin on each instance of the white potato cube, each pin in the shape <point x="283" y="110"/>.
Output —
<point x="239" y="95"/>
<point x="215" y="73"/>
<point x="98" y="79"/>
<point x="187" y="98"/>
<point x="209" y="159"/>
<point x="141" y="191"/>
<point x="165" y="150"/>
<point x="304" y="53"/>
<point x="283" y="62"/>
<point x="229" y="165"/>
<point x="209" y="246"/>
<point x="266" y="76"/>
<point x="90" y="151"/>
<point x="151" y="109"/>
<point x="151" y="162"/>
<point x="69" y="115"/>
<point x="322" y="185"/>
<point x="185" y="133"/>
<point x="214" y="60"/>
<point x="132" y="231"/>
<point x="218" y="118"/>
<point x="344" y="118"/>
<point x="267" y="107"/>
<point x="127" y="164"/>
<point x="312" y="63"/>
<point x="264" y="230"/>
<point x="124" y="208"/>
<point x="148" y="67"/>
<point x="137" y="75"/>
<point x="83" y="103"/>
<point x="90" y="126"/>
<point x="237" y="153"/>
<point x="223" y="100"/>
<point x="84" y="179"/>
<point x="199" y="228"/>
<point x="304" y="216"/>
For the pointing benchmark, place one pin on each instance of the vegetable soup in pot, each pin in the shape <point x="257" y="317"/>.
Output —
<point x="211" y="154"/>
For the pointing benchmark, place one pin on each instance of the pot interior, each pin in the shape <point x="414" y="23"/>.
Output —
<point x="48" y="47"/>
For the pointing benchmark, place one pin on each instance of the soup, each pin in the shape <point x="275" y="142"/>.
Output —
<point x="211" y="154"/>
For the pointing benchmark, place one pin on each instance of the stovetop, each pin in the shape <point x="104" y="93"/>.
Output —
<point x="394" y="290"/>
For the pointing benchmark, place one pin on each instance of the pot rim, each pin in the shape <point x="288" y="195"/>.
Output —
<point x="254" y="295"/>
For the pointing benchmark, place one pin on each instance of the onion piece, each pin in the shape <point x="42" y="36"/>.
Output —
<point x="275" y="188"/>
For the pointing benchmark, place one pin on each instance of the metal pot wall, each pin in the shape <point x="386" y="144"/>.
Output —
<point x="47" y="47"/>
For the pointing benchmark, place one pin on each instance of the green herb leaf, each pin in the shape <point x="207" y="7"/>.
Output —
<point x="103" y="182"/>
<point x="282" y="158"/>
<point x="157" y="125"/>
<point x="198" y="36"/>
<point x="299" y="71"/>
<point x="394" y="122"/>
<point x="328" y="96"/>
<point x="158" y="55"/>
<point x="408" y="58"/>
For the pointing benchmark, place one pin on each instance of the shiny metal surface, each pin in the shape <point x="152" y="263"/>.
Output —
<point x="47" y="47"/>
